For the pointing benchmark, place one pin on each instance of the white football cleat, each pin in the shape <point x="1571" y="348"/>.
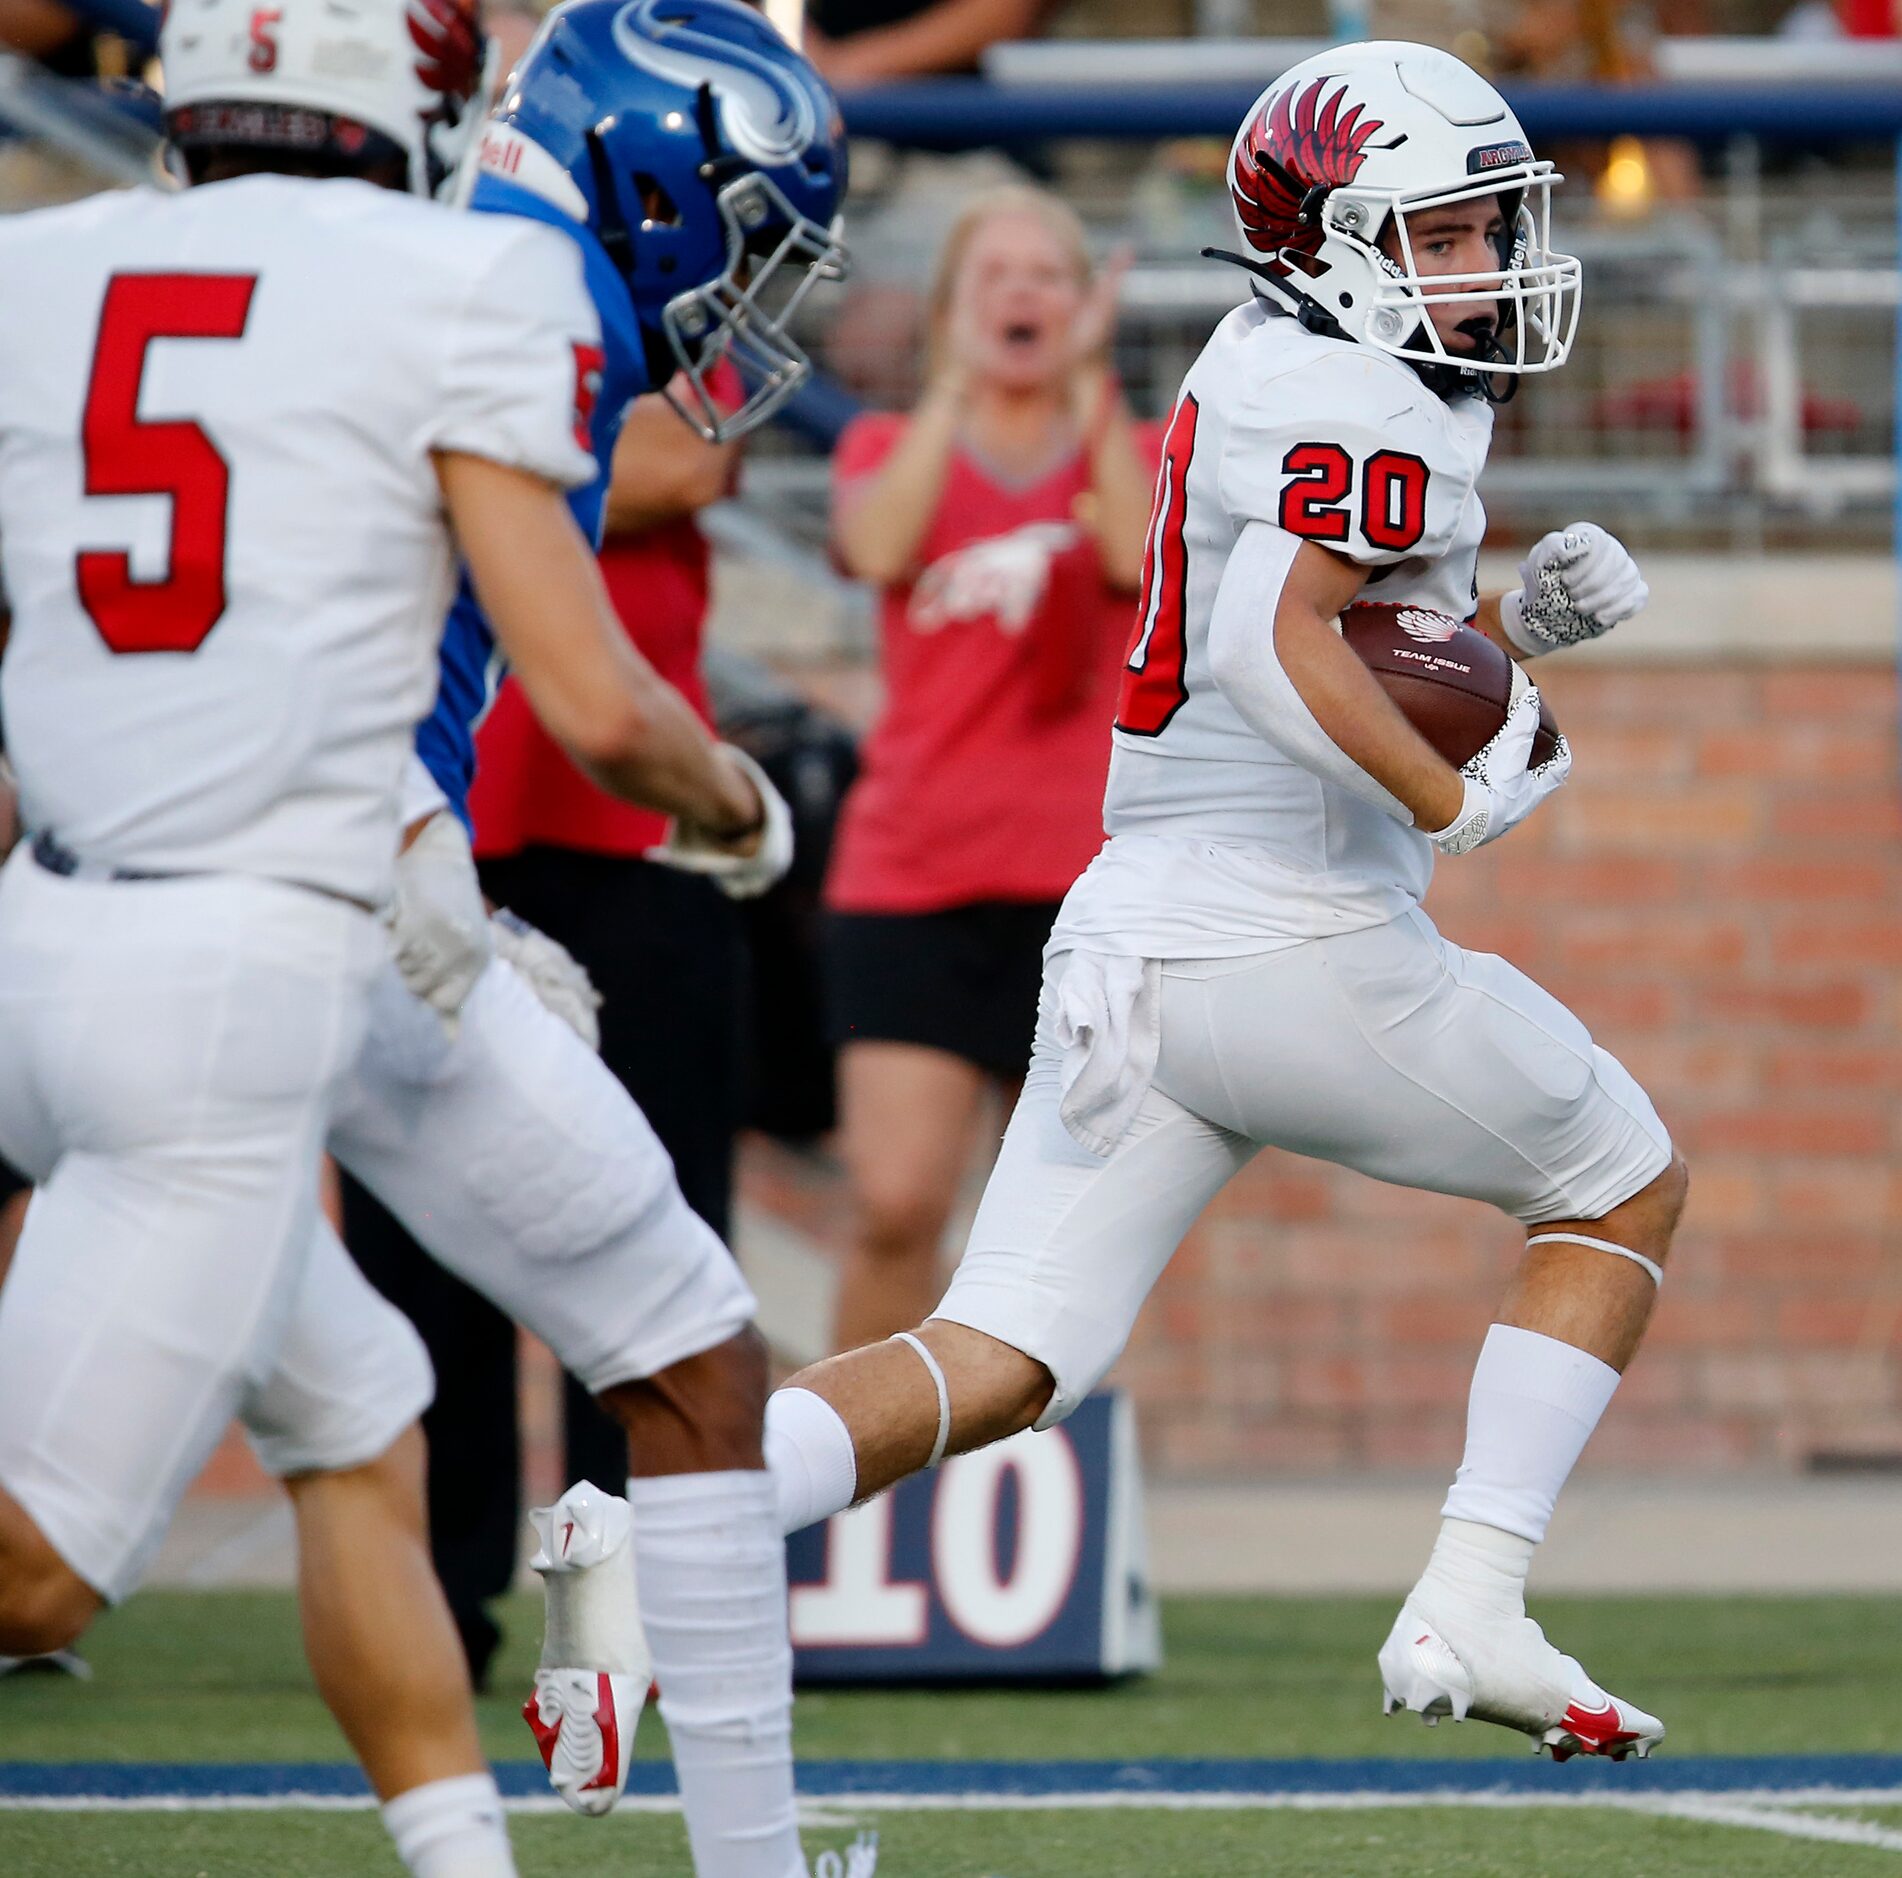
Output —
<point x="583" y="1722"/>
<point x="595" y="1669"/>
<point x="1503" y="1670"/>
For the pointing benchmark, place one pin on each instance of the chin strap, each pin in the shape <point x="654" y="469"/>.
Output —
<point x="1443" y="380"/>
<point x="1308" y="310"/>
<point x="1485" y="336"/>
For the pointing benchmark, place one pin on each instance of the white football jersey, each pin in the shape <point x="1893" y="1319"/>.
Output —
<point x="1221" y="843"/>
<point x="220" y="526"/>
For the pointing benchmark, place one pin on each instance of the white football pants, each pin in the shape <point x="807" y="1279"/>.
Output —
<point x="521" y="1165"/>
<point x="1388" y="1050"/>
<point x="169" y="1051"/>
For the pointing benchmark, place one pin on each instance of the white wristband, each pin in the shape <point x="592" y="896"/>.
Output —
<point x="1512" y="619"/>
<point x="1468" y="828"/>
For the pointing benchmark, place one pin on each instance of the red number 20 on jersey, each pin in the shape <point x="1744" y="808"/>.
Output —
<point x="1321" y="480"/>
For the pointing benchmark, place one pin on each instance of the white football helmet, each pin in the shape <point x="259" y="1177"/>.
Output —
<point x="326" y="79"/>
<point x="1358" y="138"/>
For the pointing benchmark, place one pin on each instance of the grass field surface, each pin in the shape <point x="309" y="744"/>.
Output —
<point x="218" y="1678"/>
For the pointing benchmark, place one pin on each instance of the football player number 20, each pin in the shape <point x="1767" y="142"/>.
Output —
<point x="1154" y="687"/>
<point x="127" y="455"/>
<point x="1314" y="503"/>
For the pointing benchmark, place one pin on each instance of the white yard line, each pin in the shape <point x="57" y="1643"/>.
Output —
<point x="1755" y="1810"/>
<point x="1739" y="1811"/>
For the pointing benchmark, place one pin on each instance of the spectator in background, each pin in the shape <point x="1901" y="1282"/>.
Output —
<point x="1003" y="519"/>
<point x="1599" y="42"/>
<point x="868" y="42"/>
<point x="53" y="34"/>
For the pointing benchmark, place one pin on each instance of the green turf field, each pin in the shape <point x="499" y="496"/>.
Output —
<point x="1419" y="1843"/>
<point x="218" y="1677"/>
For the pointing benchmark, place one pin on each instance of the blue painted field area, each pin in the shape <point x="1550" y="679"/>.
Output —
<point x="1873" y="1778"/>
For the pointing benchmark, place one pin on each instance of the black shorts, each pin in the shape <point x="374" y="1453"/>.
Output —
<point x="964" y="980"/>
<point x="12" y="1181"/>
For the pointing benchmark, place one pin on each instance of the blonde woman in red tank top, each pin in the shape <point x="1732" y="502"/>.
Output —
<point x="1003" y="521"/>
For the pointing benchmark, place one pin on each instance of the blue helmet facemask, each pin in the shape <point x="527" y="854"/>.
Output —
<point x="708" y="159"/>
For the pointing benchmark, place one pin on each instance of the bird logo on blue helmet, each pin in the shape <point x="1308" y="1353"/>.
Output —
<point x="708" y="158"/>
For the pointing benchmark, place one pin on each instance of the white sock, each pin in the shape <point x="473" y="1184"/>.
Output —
<point x="1480" y="1567"/>
<point x="451" y="1829"/>
<point x="810" y="1456"/>
<point x="712" y="1567"/>
<point x="1534" y="1404"/>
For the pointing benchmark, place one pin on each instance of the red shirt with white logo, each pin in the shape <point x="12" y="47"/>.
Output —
<point x="983" y="778"/>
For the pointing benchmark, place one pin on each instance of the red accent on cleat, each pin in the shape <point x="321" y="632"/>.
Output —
<point x="606" y="1720"/>
<point x="1596" y="1730"/>
<point x="545" y="1735"/>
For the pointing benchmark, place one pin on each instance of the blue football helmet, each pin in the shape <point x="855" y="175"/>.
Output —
<point x="708" y="158"/>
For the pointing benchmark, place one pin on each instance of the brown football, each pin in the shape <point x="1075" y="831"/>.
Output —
<point x="1450" y="681"/>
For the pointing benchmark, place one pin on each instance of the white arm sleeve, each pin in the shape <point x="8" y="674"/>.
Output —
<point x="518" y="354"/>
<point x="1249" y="673"/>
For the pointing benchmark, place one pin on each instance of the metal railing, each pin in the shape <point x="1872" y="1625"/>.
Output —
<point x="1735" y="378"/>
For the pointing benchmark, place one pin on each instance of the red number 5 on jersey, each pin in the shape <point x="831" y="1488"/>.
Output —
<point x="127" y="455"/>
<point x="1154" y="686"/>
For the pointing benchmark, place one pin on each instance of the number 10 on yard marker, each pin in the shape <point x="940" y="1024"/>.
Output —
<point x="1027" y="1559"/>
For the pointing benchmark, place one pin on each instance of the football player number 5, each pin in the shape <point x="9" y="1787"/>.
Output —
<point x="127" y="455"/>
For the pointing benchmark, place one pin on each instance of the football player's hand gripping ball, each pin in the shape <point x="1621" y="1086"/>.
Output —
<point x="1580" y="582"/>
<point x="1502" y="788"/>
<point x="696" y="850"/>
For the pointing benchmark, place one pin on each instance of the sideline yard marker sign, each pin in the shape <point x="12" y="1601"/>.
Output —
<point x="1027" y="1561"/>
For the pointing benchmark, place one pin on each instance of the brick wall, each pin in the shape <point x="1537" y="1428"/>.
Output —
<point x="1718" y="894"/>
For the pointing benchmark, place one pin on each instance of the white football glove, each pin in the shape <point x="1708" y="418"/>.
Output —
<point x="1501" y="787"/>
<point x="1579" y="583"/>
<point x="554" y="974"/>
<point x="740" y="877"/>
<point x="439" y="923"/>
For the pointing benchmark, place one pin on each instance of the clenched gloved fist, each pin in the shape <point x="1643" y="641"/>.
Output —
<point x="1579" y="583"/>
<point x="1502" y="788"/>
<point x="739" y="876"/>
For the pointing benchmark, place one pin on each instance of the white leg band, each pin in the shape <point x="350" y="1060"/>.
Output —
<point x="1600" y="1245"/>
<point x="944" y="1395"/>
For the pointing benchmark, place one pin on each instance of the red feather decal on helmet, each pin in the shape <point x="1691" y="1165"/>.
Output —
<point x="1300" y="140"/>
<point x="450" y="41"/>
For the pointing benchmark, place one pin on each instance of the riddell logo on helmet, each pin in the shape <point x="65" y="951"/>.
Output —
<point x="1427" y="628"/>
<point x="1307" y="138"/>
